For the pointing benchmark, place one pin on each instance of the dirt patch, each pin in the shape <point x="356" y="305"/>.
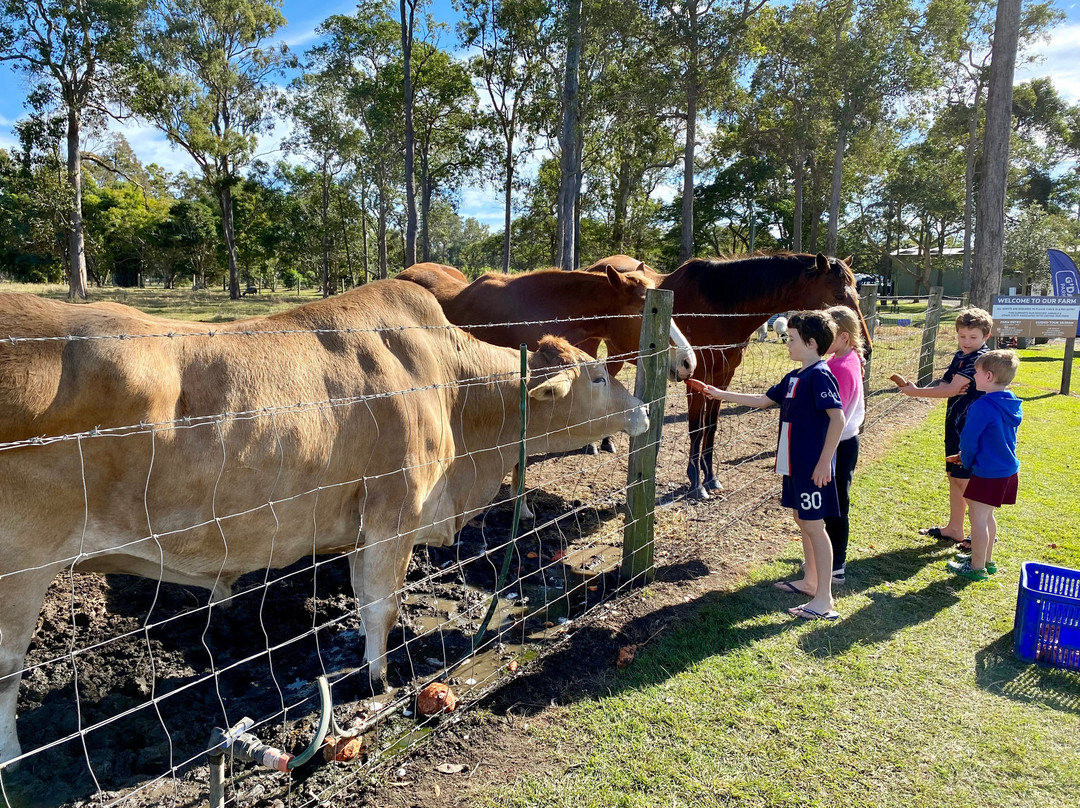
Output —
<point x="153" y="669"/>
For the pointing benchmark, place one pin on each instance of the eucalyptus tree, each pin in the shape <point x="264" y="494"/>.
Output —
<point x="965" y="88"/>
<point x="783" y="114"/>
<point x="362" y="53"/>
<point x="34" y="202"/>
<point x="407" y="10"/>
<point x="203" y="74"/>
<point x="990" y="213"/>
<point x="511" y="40"/>
<point x="445" y="119"/>
<point x="326" y="134"/>
<point x="705" y="43"/>
<point x="570" y="137"/>
<point x="69" y="49"/>
<point x="874" y="55"/>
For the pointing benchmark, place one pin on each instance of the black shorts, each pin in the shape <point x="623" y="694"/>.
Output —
<point x="809" y="501"/>
<point x="952" y="447"/>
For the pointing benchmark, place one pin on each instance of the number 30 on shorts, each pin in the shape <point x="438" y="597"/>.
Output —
<point x="811" y="500"/>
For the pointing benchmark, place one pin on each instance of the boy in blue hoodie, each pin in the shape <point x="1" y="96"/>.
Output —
<point x="988" y="449"/>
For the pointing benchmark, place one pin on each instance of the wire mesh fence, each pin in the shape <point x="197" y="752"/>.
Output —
<point x="125" y="678"/>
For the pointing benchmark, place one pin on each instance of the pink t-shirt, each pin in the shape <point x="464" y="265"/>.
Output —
<point x="848" y="370"/>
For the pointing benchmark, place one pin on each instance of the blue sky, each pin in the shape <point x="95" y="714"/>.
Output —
<point x="1060" y="60"/>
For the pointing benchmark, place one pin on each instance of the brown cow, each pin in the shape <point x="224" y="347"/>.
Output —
<point x="364" y="423"/>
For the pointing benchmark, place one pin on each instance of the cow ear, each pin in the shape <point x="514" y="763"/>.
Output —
<point x="552" y="388"/>
<point x="822" y="263"/>
<point x="615" y="278"/>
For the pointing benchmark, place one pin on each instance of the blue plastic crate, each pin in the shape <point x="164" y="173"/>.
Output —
<point x="1047" y="626"/>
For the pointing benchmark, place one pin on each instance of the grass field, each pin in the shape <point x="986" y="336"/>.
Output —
<point x="914" y="699"/>
<point x="201" y="305"/>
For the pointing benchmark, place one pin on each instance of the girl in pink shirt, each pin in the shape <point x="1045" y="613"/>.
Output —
<point x="846" y="363"/>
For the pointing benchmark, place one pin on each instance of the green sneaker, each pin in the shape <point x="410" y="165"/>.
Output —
<point x="964" y="570"/>
<point x="991" y="566"/>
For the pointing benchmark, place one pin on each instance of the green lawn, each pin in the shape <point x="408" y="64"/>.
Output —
<point x="914" y="699"/>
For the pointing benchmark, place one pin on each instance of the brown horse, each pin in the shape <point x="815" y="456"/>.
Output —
<point x="753" y="289"/>
<point x="584" y="308"/>
<point x="744" y="293"/>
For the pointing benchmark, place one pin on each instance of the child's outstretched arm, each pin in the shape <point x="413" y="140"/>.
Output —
<point x="938" y="389"/>
<point x="759" y="400"/>
<point x="823" y="469"/>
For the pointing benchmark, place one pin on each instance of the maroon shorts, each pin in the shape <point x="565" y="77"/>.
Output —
<point x="994" y="491"/>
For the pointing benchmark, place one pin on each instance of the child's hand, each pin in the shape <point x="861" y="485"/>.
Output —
<point x="953" y="459"/>
<point x="822" y="473"/>
<point x="705" y="389"/>
<point x="898" y="380"/>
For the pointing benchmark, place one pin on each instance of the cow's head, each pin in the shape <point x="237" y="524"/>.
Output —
<point x="574" y="400"/>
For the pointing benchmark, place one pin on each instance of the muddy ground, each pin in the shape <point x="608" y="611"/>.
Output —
<point x="153" y="694"/>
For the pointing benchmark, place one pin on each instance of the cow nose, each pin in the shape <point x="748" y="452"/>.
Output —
<point x="638" y="422"/>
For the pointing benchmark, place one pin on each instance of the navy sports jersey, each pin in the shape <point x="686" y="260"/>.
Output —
<point x="804" y="397"/>
<point x="957" y="406"/>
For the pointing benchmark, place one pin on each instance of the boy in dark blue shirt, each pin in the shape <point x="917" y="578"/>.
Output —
<point x="811" y="420"/>
<point x="973" y="326"/>
<point x="988" y="451"/>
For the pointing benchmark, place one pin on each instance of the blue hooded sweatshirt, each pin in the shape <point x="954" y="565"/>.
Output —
<point x="988" y="441"/>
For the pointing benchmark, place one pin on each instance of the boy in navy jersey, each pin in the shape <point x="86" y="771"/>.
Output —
<point x="811" y="420"/>
<point x="973" y="326"/>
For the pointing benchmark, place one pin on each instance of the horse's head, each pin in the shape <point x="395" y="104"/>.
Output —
<point x="629" y="289"/>
<point x="840" y="283"/>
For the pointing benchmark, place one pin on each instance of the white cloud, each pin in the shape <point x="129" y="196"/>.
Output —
<point x="1059" y="62"/>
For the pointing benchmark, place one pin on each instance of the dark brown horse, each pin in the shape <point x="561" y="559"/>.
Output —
<point x="752" y="289"/>
<point x="720" y="303"/>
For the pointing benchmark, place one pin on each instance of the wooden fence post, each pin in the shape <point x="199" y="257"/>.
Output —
<point x="650" y="387"/>
<point x="868" y="305"/>
<point x="929" y="337"/>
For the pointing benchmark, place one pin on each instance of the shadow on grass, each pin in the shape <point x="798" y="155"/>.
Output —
<point x="680" y="635"/>
<point x="998" y="671"/>
<point x="882" y="620"/>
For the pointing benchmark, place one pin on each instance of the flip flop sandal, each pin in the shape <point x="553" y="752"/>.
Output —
<point x="810" y="614"/>
<point x="933" y="533"/>
<point x="788" y="586"/>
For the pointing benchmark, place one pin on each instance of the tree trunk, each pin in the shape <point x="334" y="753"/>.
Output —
<point x="686" y="242"/>
<point x="621" y="202"/>
<point x="345" y="241"/>
<point x="325" y="216"/>
<point x="990" y="215"/>
<point x="837" y="178"/>
<point x="508" y="197"/>
<point x="569" y="161"/>
<point x="796" y="219"/>
<point x="364" y="231"/>
<point x="410" y="137"/>
<point x="380" y="234"/>
<point x="225" y="200"/>
<point x="77" y="287"/>
<point x="971" y="149"/>
<point x="425" y="211"/>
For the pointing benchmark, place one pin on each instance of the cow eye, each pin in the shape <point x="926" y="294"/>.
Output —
<point x="600" y="380"/>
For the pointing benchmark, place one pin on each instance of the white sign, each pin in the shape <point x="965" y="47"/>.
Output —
<point x="1050" y="317"/>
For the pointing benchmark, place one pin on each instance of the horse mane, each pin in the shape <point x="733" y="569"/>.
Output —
<point x="762" y="278"/>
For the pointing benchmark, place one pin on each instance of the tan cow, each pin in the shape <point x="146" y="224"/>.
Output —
<point x="196" y="457"/>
